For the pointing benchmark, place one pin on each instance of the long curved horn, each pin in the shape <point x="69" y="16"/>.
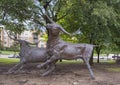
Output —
<point x="50" y="20"/>
<point x="11" y="37"/>
<point x="64" y="31"/>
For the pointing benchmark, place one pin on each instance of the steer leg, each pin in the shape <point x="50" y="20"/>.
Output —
<point x="51" y="60"/>
<point x="19" y="68"/>
<point x="86" y="60"/>
<point x="14" y="68"/>
<point x="52" y="67"/>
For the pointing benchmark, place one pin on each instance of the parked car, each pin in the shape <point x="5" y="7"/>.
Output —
<point x="13" y="56"/>
<point x="116" y="57"/>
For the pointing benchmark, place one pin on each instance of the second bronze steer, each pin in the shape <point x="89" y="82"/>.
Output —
<point x="30" y="54"/>
<point x="59" y="49"/>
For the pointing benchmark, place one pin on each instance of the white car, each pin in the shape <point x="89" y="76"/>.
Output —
<point x="13" y="56"/>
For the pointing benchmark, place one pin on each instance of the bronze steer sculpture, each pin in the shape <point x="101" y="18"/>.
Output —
<point x="59" y="49"/>
<point x="30" y="54"/>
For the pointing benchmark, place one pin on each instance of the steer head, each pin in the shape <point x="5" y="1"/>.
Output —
<point x="21" y="42"/>
<point x="55" y="28"/>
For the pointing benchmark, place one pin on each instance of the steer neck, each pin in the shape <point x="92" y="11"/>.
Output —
<point x="52" y="41"/>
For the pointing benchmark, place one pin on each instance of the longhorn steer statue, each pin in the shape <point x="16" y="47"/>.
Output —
<point x="30" y="54"/>
<point x="59" y="49"/>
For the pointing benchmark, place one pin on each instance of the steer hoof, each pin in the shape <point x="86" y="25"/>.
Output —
<point x="93" y="78"/>
<point x="8" y="72"/>
<point x="39" y="66"/>
<point x="44" y="74"/>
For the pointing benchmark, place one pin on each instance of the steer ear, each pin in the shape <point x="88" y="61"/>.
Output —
<point x="15" y="38"/>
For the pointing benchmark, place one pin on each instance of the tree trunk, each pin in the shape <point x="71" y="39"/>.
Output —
<point x="60" y="60"/>
<point x="91" y="42"/>
<point x="98" y="53"/>
<point x="98" y="60"/>
<point x="91" y="59"/>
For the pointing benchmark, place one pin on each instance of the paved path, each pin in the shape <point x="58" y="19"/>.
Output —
<point x="3" y="56"/>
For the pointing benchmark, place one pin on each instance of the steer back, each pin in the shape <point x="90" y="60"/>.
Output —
<point x="72" y="51"/>
<point x="34" y="54"/>
<point x="31" y="54"/>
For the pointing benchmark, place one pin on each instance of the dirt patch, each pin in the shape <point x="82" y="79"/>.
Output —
<point x="64" y="74"/>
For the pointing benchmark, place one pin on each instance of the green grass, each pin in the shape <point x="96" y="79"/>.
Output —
<point x="9" y="60"/>
<point x="15" y="60"/>
<point x="106" y="61"/>
<point x="81" y="61"/>
<point x="115" y="69"/>
<point x="7" y="52"/>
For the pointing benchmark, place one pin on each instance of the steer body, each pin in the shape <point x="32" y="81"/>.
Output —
<point x="72" y="51"/>
<point x="30" y="54"/>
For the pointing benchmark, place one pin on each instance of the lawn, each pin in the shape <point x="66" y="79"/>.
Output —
<point x="9" y="60"/>
<point x="8" y="52"/>
<point x="113" y="69"/>
<point x="14" y="60"/>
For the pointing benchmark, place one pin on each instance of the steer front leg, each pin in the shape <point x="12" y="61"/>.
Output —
<point x="86" y="60"/>
<point x="52" y="59"/>
<point x="51" y="68"/>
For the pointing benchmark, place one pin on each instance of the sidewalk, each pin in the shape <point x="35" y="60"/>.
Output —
<point x="3" y="56"/>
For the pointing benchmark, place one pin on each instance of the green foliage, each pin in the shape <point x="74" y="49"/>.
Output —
<point x="17" y="28"/>
<point x="19" y="9"/>
<point x="117" y="69"/>
<point x="1" y="46"/>
<point x="10" y="50"/>
<point x="14" y="13"/>
<point x="5" y="52"/>
<point x="98" y="20"/>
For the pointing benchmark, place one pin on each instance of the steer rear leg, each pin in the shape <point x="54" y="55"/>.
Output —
<point x="86" y="60"/>
<point x="51" y="60"/>
<point x="51" y="68"/>
<point x="19" y="68"/>
<point x="14" y="68"/>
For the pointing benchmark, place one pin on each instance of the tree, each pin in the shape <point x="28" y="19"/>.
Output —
<point x="31" y="12"/>
<point x="92" y="18"/>
<point x="14" y="13"/>
<point x="97" y="20"/>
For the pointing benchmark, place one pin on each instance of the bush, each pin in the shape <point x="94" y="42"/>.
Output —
<point x="1" y="47"/>
<point x="12" y="48"/>
<point x="118" y="61"/>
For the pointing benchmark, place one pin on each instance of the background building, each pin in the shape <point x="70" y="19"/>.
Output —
<point x="28" y="35"/>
